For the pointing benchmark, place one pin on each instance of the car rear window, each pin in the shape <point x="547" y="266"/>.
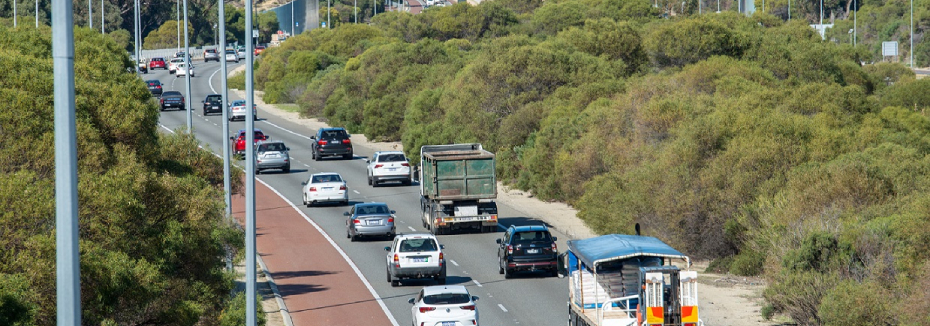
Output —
<point x="391" y="158"/>
<point x="276" y="147"/>
<point x="531" y="236"/>
<point x="326" y="178"/>
<point x="335" y="134"/>
<point x="172" y="93"/>
<point x="154" y="83"/>
<point x="214" y="98"/>
<point x="446" y="298"/>
<point x="415" y="245"/>
<point x="372" y="209"/>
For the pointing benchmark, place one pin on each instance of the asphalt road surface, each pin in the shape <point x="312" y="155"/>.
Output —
<point x="530" y="299"/>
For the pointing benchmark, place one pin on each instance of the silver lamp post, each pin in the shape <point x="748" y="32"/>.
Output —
<point x="250" y="318"/>
<point x="227" y="190"/>
<point x="90" y="15"/>
<point x="856" y="10"/>
<point x="14" y="13"/>
<point x="355" y="8"/>
<point x="911" y="50"/>
<point x="187" y="75"/>
<point x="178" y="20"/>
<point x="67" y="257"/>
<point x="328" y="25"/>
<point x="37" y="16"/>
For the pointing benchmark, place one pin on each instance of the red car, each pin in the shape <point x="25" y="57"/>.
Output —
<point x="238" y="142"/>
<point x="259" y="49"/>
<point x="158" y="63"/>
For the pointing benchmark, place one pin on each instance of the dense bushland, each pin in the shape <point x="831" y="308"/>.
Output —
<point x="742" y="139"/>
<point x="152" y="229"/>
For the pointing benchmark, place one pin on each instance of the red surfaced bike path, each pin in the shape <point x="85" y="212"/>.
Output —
<point x="317" y="284"/>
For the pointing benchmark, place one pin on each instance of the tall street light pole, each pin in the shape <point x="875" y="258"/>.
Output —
<point x="227" y="190"/>
<point x="911" y="50"/>
<point x="90" y="15"/>
<point x="855" y="32"/>
<point x="250" y="318"/>
<point x="789" y="10"/>
<point x="135" y="33"/>
<point x="187" y="75"/>
<point x="14" y="13"/>
<point x="102" y="11"/>
<point x="37" y="15"/>
<point x="328" y="25"/>
<point x="178" y="20"/>
<point x="67" y="257"/>
<point x="355" y="8"/>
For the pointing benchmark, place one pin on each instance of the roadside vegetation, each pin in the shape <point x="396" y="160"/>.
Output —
<point x="152" y="228"/>
<point x="746" y="140"/>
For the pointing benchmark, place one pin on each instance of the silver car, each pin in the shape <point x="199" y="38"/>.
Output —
<point x="369" y="219"/>
<point x="272" y="155"/>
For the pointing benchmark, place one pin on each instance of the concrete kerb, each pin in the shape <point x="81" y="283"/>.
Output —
<point x="285" y="314"/>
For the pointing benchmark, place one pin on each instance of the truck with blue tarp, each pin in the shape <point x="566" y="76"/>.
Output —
<point x="629" y="280"/>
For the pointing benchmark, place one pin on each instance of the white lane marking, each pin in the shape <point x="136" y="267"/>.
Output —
<point x="453" y="262"/>
<point x="282" y="128"/>
<point x="338" y="249"/>
<point x="479" y="285"/>
<point x="411" y="228"/>
<point x="166" y="128"/>
<point x="210" y="80"/>
<point x="502" y="307"/>
<point x="356" y="191"/>
<point x="307" y="165"/>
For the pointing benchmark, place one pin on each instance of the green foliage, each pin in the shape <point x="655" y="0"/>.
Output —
<point x="234" y="312"/>
<point x="146" y="198"/>
<point x="165" y="36"/>
<point x="854" y="303"/>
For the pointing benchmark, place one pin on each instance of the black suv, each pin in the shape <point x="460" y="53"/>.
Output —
<point x="213" y="104"/>
<point x="527" y="248"/>
<point x="331" y="142"/>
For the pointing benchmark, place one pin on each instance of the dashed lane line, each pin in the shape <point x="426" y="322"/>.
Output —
<point x="502" y="307"/>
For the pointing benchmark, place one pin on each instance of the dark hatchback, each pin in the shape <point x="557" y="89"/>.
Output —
<point x="155" y="87"/>
<point x="213" y="104"/>
<point x="527" y="248"/>
<point x="331" y="142"/>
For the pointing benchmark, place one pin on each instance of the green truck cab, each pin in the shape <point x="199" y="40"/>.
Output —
<point x="457" y="188"/>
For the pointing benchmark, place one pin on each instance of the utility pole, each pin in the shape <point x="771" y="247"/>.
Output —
<point x="90" y="15"/>
<point x="14" y="13"/>
<point x="187" y="75"/>
<point x="789" y="10"/>
<point x="227" y="190"/>
<point x="250" y="318"/>
<point x="355" y="8"/>
<point x="855" y="31"/>
<point x="102" y="11"/>
<point x="911" y="50"/>
<point x="37" y="16"/>
<point x="328" y="25"/>
<point x="135" y="33"/>
<point x="178" y="2"/>
<point x="293" y="23"/>
<point x="67" y="255"/>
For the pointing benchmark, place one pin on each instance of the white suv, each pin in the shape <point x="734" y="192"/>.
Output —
<point x="415" y="256"/>
<point x="388" y="166"/>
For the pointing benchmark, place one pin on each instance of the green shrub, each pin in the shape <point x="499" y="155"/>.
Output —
<point x="234" y="312"/>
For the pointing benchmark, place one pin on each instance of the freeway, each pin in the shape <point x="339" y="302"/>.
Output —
<point x="525" y="300"/>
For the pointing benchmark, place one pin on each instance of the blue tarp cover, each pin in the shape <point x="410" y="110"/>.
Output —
<point x="621" y="246"/>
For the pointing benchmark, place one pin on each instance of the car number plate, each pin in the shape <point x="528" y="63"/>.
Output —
<point x="532" y="251"/>
<point x="448" y="323"/>
<point x="421" y="260"/>
<point x="374" y="222"/>
<point x="392" y="169"/>
<point x="327" y="188"/>
<point x="216" y="108"/>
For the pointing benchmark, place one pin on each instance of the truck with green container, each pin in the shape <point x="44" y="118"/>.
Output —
<point x="457" y="188"/>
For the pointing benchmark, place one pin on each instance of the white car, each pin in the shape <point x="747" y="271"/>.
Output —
<point x="173" y="65"/>
<point x="181" y="69"/>
<point x="388" y="166"/>
<point x="237" y="110"/>
<point x="232" y="56"/>
<point x="240" y="53"/>
<point x="444" y="305"/>
<point x="325" y="188"/>
<point x="415" y="256"/>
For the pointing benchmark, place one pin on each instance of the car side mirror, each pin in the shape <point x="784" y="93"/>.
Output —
<point x="287" y="148"/>
<point x="474" y="298"/>
<point x="498" y="241"/>
<point x="232" y="138"/>
<point x="345" y="214"/>
<point x="312" y="137"/>
<point x="393" y="212"/>
<point x="442" y="246"/>
<point x="304" y="183"/>
<point x="388" y="249"/>
<point x="367" y="161"/>
<point x="555" y="239"/>
<point x="412" y="301"/>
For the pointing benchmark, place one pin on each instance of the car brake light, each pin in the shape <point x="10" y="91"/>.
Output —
<point x="162" y="101"/>
<point x="554" y="247"/>
<point x="356" y="221"/>
<point x="312" y="189"/>
<point x="468" y="307"/>
<point x="405" y="164"/>
<point x="390" y="220"/>
<point x="425" y="309"/>
<point x="322" y="142"/>
<point x="157" y="86"/>
<point x="378" y="165"/>
<point x="440" y="258"/>
<point x="396" y="261"/>
<point x="342" y="187"/>
<point x="509" y="249"/>
<point x="346" y="141"/>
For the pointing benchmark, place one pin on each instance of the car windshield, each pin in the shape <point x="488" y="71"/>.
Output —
<point x="446" y="298"/>
<point x="326" y="178"/>
<point x="391" y="158"/>
<point x="275" y="147"/>
<point x="372" y="209"/>
<point x="531" y="236"/>
<point x="338" y="134"/>
<point x="415" y="245"/>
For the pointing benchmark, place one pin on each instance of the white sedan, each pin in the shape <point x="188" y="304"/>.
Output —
<point x="181" y="70"/>
<point x="237" y="110"/>
<point x="231" y="56"/>
<point x="325" y="188"/>
<point x="444" y="305"/>
<point x="388" y="166"/>
<point x="173" y="65"/>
